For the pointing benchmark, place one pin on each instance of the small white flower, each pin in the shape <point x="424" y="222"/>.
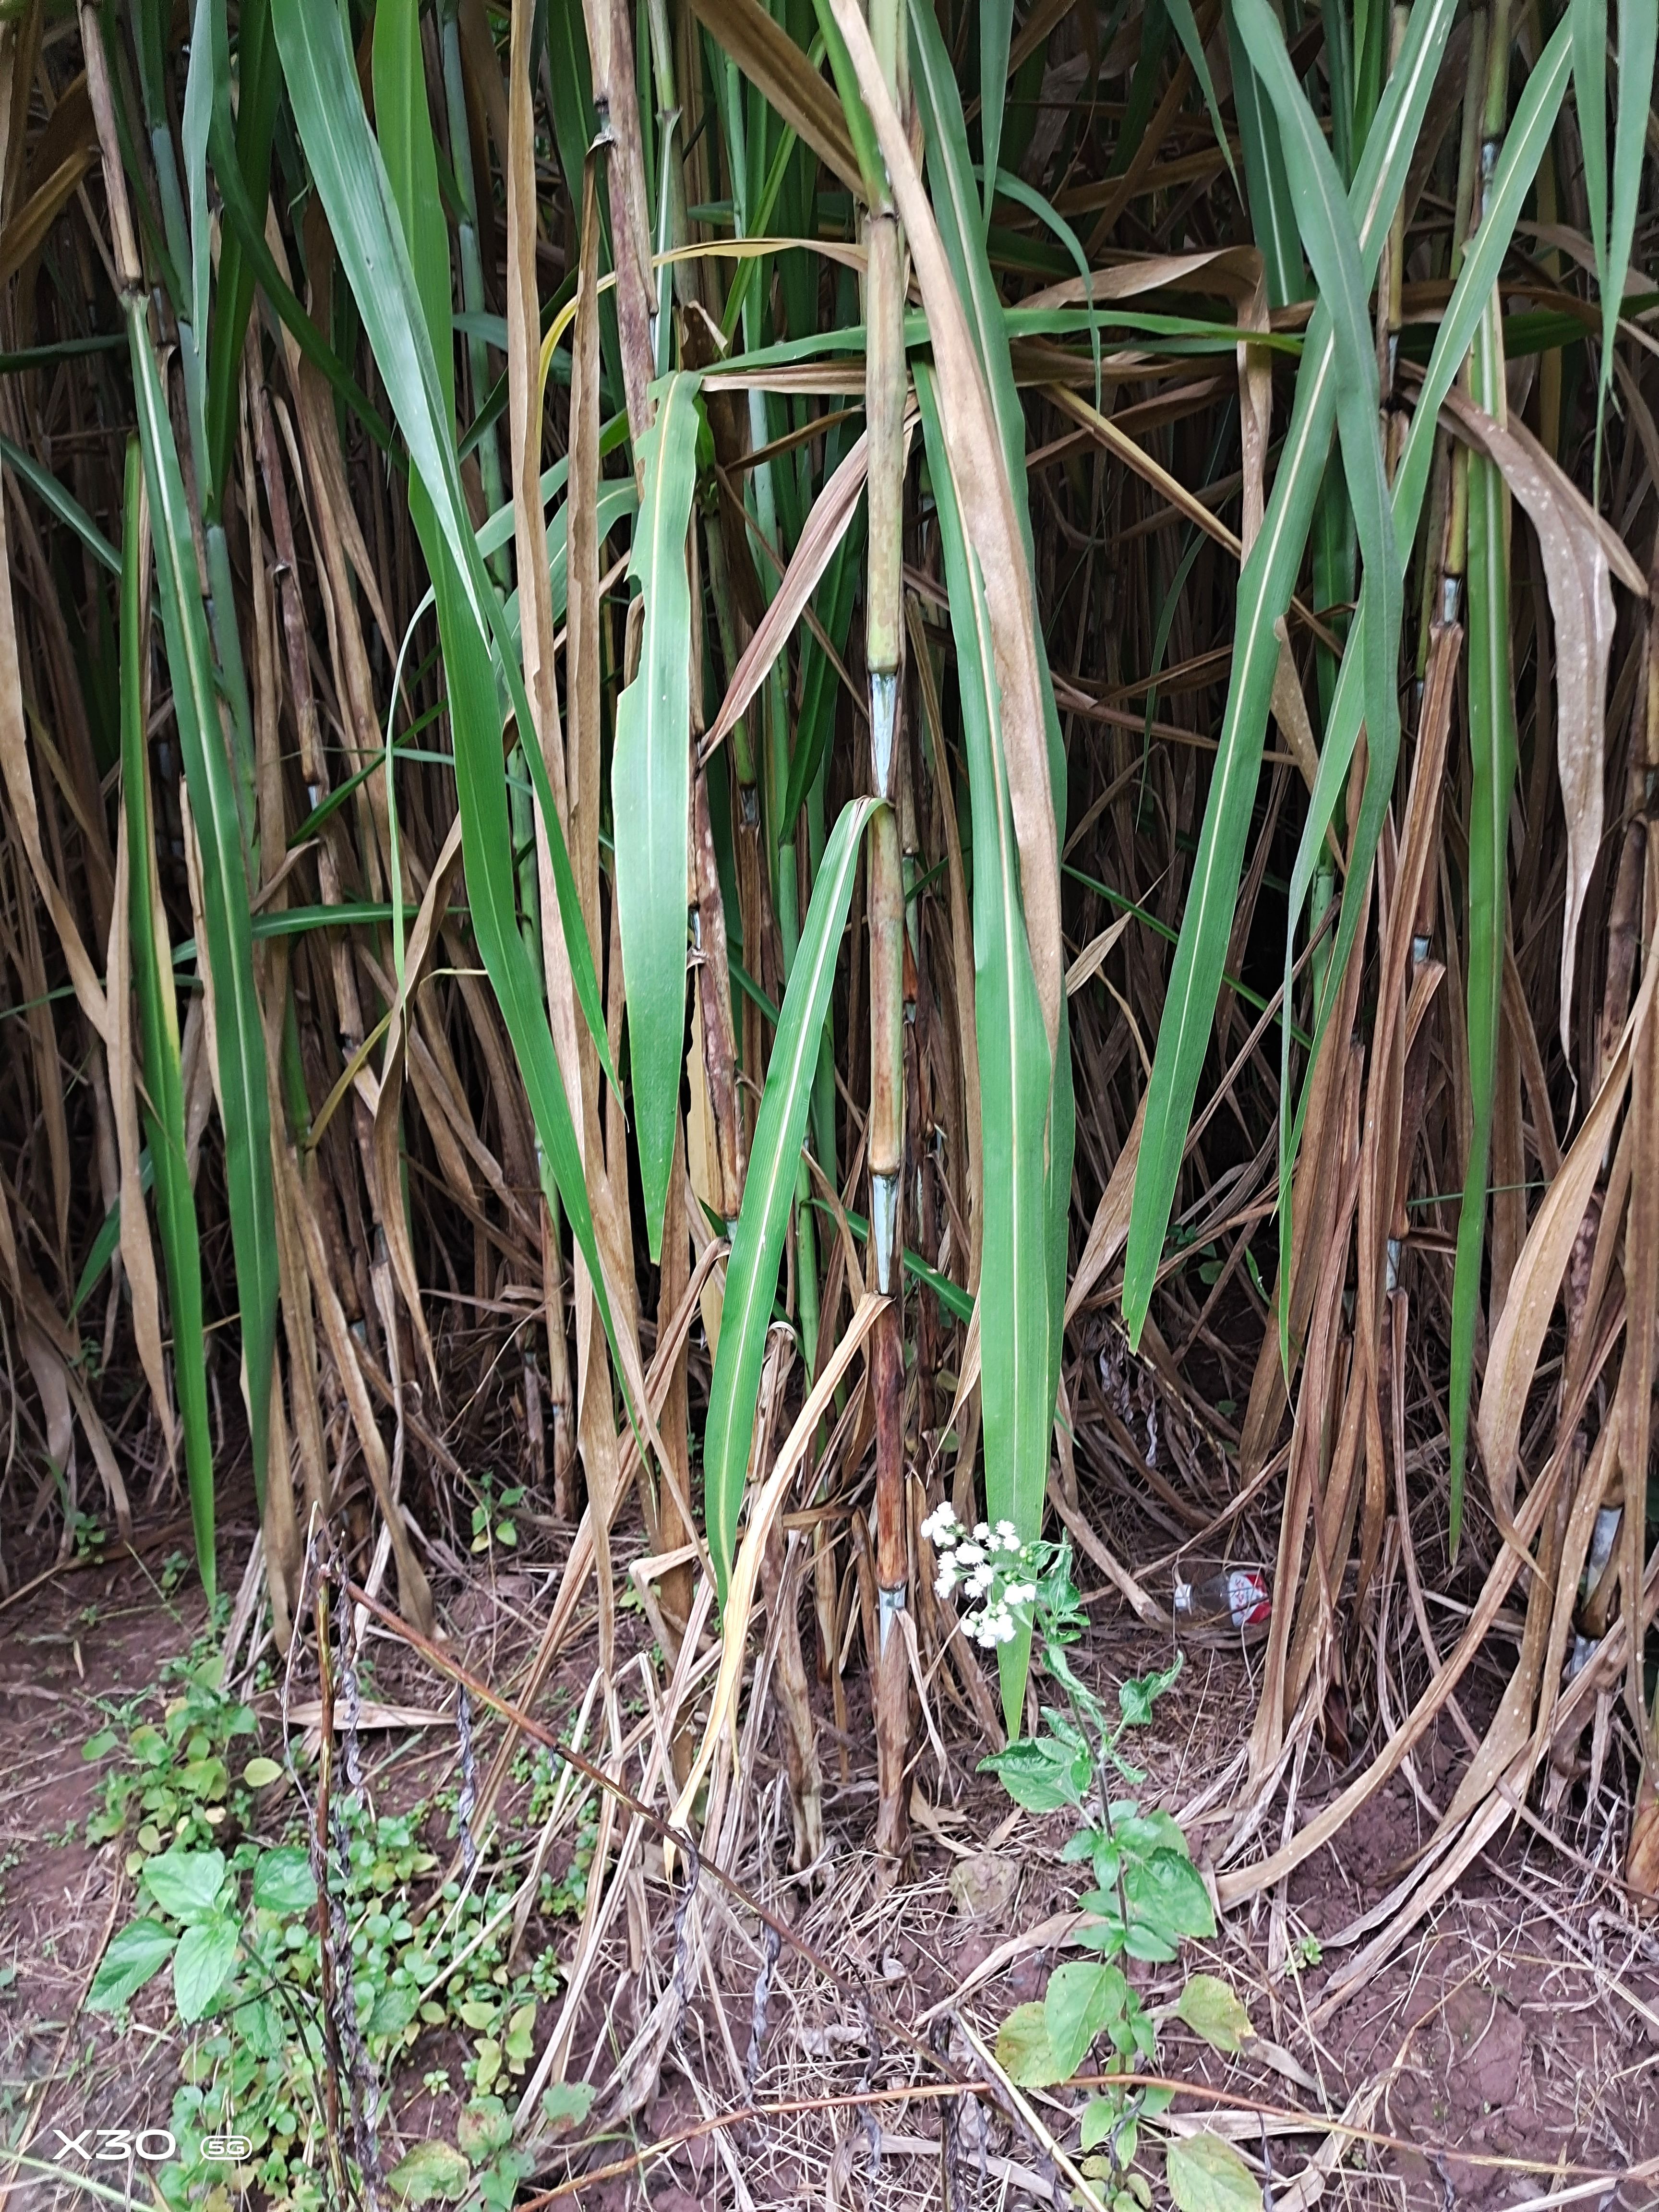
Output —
<point x="1020" y="1593"/>
<point x="970" y="1554"/>
<point x="946" y="1581"/>
<point x="1010" y="1540"/>
<point x="941" y="1527"/>
<point x="981" y="1530"/>
<point x="1002" y="1629"/>
<point x="980" y="1581"/>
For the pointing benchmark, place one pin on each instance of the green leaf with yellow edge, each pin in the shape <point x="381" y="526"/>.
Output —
<point x="1024" y="2050"/>
<point x="1207" y="2175"/>
<point x="430" y="2173"/>
<point x="1208" y="2006"/>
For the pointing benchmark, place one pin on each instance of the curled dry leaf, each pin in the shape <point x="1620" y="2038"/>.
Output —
<point x="1581" y="554"/>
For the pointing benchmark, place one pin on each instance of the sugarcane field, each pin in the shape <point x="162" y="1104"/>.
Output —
<point x="829" y="1105"/>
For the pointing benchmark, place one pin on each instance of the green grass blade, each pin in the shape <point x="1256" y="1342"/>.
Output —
<point x="996" y="27"/>
<point x="1027" y="1209"/>
<point x="1264" y="592"/>
<point x="241" y="220"/>
<point x="1023" y="195"/>
<point x="1517" y="165"/>
<point x="239" y="1026"/>
<point x="956" y="206"/>
<point x="1639" y="35"/>
<point x="651" y="791"/>
<point x="403" y="123"/>
<point x="1272" y="217"/>
<point x="258" y="84"/>
<point x="751" y="1272"/>
<point x="63" y="504"/>
<point x="1265" y="585"/>
<point x="1186" y="29"/>
<point x="108" y="1236"/>
<point x="1493" y="747"/>
<point x="162" y="1097"/>
<point x="1016" y="1394"/>
<point x="951" y="1296"/>
<point x="193" y="311"/>
<point x="351" y="179"/>
<point x="1589" y="88"/>
<point x="1332" y="249"/>
<point x="815" y="723"/>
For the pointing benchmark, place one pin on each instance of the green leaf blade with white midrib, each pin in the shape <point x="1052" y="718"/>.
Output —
<point x="357" y="195"/>
<point x="1015" y="1286"/>
<point x="752" y="1271"/>
<point x="403" y="123"/>
<point x="651" y="792"/>
<point x="950" y="175"/>
<point x="1638" y="40"/>
<point x="1332" y="249"/>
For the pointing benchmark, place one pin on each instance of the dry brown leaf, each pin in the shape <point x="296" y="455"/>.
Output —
<point x="19" y="789"/>
<point x="138" y="1252"/>
<point x="1234" y="272"/>
<point x="825" y="528"/>
<point x="769" y="57"/>
<point x="1517" y="1336"/>
<point x="388" y="1135"/>
<point x="414" y="1592"/>
<point x="1642" y="1853"/>
<point x="28" y="227"/>
<point x="1110" y="1225"/>
<point x="766" y="1503"/>
<point x="989" y="524"/>
<point x="1581" y="554"/>
<point x="1089" y="960"/>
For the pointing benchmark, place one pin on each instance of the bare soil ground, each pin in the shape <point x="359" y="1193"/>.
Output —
<point x="1507" y="2057"/>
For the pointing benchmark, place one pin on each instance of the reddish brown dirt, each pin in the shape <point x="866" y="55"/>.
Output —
<point x="1509" y="2052"/>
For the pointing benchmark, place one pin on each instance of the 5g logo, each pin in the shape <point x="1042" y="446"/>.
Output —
<point x="121" y="2146"/>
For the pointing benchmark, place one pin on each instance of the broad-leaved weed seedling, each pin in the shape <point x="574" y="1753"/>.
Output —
<point x="1147" y="1897"/>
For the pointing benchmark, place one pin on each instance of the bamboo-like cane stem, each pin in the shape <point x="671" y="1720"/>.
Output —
<point x="884" y="387"/>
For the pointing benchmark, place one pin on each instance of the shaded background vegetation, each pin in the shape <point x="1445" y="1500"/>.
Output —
<point x="660" y="750"/>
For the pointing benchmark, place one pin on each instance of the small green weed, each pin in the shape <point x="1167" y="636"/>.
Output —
<point x="492" y="1517"/>
<point x="1147" y="1899"/>
<point x="233" y="1918"/>
<point x="176" y="1775"/>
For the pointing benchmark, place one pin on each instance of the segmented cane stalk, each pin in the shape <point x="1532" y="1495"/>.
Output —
<point x="885" y="389"/>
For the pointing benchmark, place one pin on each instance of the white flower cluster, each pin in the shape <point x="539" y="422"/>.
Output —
<point x="990" y="1565"/>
